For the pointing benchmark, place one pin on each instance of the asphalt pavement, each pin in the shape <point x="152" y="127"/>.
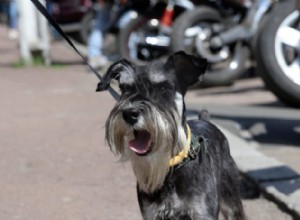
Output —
<point x="56" y="165"/>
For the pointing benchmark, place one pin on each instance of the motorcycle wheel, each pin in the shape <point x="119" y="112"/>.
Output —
<point x="135" y="41"/>
<point x="225" y="64"/>
<point x="278" y="53"/>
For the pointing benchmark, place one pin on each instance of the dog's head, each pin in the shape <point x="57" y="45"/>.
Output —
<point x="149" y="118"/>
<point x="151" y="102"/>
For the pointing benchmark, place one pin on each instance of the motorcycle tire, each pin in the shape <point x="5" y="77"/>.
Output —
<point x="213" y="76"/>
<point x="134" y="52"/>
<point x="273" y="62"/>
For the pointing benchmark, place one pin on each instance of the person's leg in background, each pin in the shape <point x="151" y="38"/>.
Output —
<point x="96" y="38"/>
<point x="13" y="20"/>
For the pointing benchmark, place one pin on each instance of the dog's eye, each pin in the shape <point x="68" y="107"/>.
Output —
<point x="163" y="86"/>
<point x="126" y="88"/>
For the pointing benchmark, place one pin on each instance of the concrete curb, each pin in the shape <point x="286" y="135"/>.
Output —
<point x="275" y="179"/>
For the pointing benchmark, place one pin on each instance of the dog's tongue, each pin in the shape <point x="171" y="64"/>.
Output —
<point x="141" y="143"/>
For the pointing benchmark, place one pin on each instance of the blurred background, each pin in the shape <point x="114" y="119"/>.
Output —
<point x="54" y="161"/>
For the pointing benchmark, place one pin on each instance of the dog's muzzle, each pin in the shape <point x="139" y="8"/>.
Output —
<point x="141" y="142"/>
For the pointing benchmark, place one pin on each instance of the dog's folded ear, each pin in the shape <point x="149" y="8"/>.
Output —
<point x="113" y="72"/>
<point x="188" y="68"/>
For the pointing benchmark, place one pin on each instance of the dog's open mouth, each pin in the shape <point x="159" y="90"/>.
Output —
<point x="141" y="142"/>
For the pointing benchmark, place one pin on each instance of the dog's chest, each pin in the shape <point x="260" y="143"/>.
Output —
<point x="167" y="206"/>
<point x="173" y="206"/>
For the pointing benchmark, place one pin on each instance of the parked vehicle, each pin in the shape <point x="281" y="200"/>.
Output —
<point x="219" y="31"/>
<point x="278" y="47"/>
<point x="230" y="33"/>
<point x="74" y="16"/>
<point x="147" y="36"/>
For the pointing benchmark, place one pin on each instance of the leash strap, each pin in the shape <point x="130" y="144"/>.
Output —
<point x="46" y="14"/>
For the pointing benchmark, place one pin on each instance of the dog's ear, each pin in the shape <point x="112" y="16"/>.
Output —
<point x="188" y="68"/>
<point x="114" y="72"/>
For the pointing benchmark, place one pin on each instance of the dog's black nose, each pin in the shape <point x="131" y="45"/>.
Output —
<point x="131" y="115"/>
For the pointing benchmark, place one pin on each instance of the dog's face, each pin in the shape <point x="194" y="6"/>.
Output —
<point x="149" y="118"/>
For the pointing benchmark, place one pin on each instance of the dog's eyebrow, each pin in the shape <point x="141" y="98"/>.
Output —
<point x="157" y="77"/>
<point x="126" y="77"/>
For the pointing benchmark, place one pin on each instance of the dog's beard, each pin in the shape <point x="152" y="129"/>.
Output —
<point x="167" y="138"/>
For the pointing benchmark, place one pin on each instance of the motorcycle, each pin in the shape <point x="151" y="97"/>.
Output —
<point x="147" y="36"/>
<point x="142" y="28"/>
<point x="219" y="31"/>
<point x="278" y="57"/>
<point x="231" y="33"/>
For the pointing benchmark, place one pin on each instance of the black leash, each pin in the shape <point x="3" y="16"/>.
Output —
<point x="44" y="11"/>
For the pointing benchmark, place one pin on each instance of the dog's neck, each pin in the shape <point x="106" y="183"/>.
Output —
<point x="185" y="150"/>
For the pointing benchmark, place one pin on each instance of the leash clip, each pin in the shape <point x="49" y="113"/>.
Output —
<point x="193" y="154"/>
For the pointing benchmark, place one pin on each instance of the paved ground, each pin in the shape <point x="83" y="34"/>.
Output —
<point x="252" y="112"/>
<point x="55" y="164"/>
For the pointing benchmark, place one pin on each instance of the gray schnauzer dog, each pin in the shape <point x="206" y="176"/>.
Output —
<point x="183" y="168"/>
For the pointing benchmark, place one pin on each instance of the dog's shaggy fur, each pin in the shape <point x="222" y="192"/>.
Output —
<point x="148" y="127"/>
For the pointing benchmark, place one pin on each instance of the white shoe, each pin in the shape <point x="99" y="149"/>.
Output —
<point x="98" y="61"/>
<point x="13" y="34"/>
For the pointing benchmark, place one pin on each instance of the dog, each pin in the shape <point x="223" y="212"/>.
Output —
<point x="183" y="169"/>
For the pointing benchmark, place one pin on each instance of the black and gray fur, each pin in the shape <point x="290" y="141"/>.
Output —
<point x="151" y="106"/>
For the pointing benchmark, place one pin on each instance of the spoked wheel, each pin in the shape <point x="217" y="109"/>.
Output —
<point x="141" y="41"/>
<point x="193" y="32"/>
<point x="278" y="53"/>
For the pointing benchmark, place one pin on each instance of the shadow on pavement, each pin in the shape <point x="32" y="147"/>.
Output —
<point x="69" y="63"/>
<point x="277" y="175"/>
<point x="230" y="90"/>
<point x="269" y="130"/>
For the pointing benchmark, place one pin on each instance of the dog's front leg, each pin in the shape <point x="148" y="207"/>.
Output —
<point x="167" y="213"/>
<point x="155" y="212"/>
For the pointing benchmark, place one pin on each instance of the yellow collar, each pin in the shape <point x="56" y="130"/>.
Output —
<point x="184" y="153"/>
